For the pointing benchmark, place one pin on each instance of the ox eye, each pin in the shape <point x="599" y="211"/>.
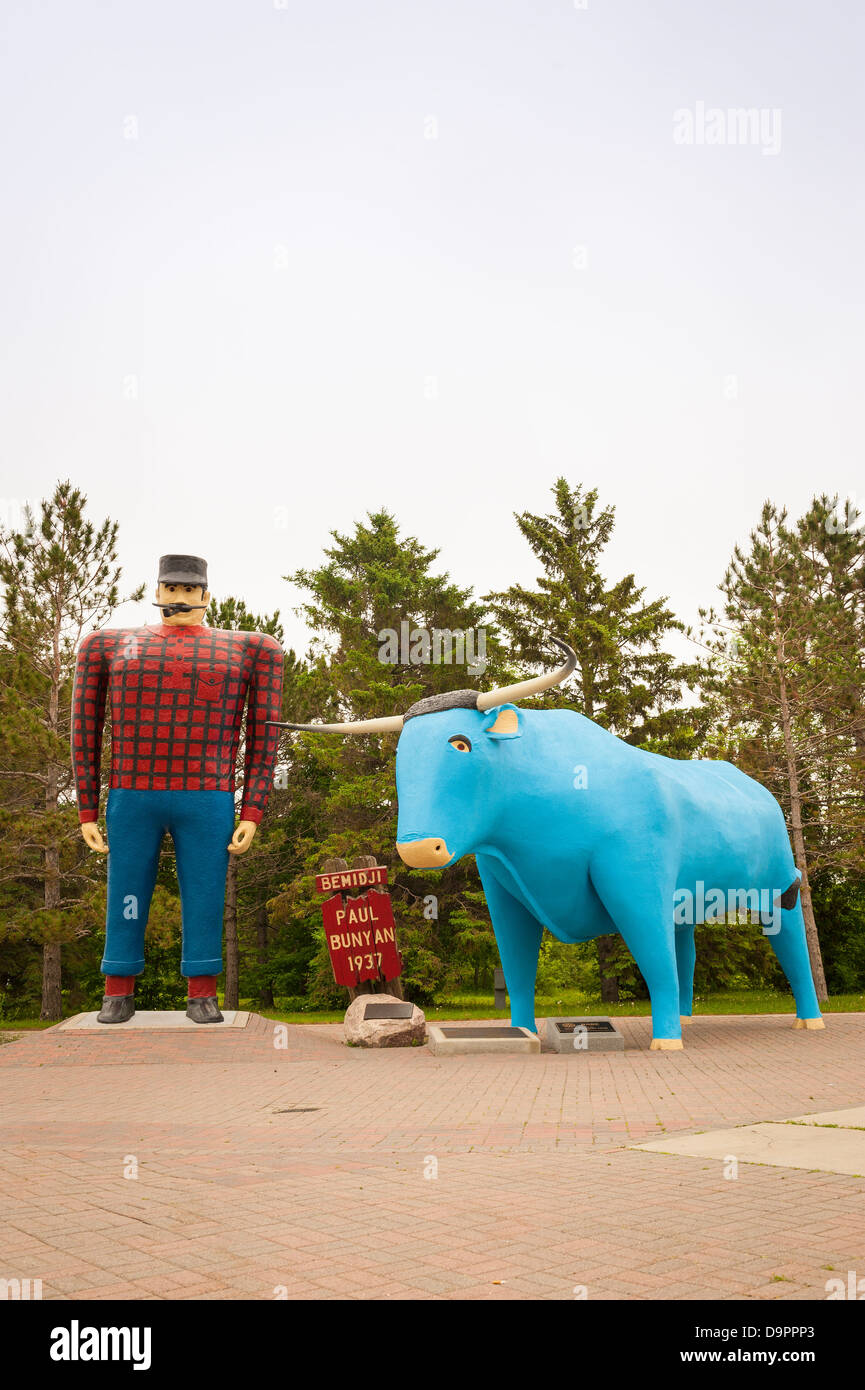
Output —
<point x="461" y="743"/>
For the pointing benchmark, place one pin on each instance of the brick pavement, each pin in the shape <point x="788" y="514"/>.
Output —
<point x="303" y="1169"/>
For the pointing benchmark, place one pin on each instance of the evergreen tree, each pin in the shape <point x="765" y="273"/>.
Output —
<point x="784" y="670"/>
<point x="625" y="678"/>
<point x="231" y="613"/>
<point x="60" y="578"/>
<point x="372" y="582"/>
<point x="830" y="540"/>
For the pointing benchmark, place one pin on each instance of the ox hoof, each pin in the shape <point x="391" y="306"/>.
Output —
<point x="684" y="1018"/>
<point x="666" y="1045"/>
<point x="809" y="1023"/>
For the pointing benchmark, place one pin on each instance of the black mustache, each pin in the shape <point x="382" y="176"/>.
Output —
<point x="169" y="609"/>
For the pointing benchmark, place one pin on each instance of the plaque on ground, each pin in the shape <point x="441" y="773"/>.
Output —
<point x="388" y="1010"/>
<point x="589" y="1025"/>
<point x="503" y="1032"/>
<point x="587" y="1034"/>
<point x="462" y="1039"/>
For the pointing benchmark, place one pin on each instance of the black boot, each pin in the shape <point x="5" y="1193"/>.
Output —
<point x="116" y="1008"/>
<point x="204" y="1010"/>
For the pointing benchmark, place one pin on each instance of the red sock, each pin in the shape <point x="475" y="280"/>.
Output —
<point x="119" y="984"/>
<point x="201" y="987"/>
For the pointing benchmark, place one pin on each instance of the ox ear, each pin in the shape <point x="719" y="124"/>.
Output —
<point x="507" y="723"/>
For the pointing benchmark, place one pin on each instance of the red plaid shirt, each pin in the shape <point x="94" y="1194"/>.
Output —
<point x="176" y="697"/>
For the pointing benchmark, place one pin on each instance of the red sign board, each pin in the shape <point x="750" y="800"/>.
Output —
<point x="361" y="938"/>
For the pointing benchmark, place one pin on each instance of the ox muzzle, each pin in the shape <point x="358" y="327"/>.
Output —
<point x="431" y="853"/>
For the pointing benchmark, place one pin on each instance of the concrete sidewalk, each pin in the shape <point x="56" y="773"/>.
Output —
<point x="809" y="1141"/>
<point x="272" y="1161"/>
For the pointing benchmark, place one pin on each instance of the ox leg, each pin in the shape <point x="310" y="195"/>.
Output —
<point x="791" y="947"/>
<point x="641" y="911"/>
<point x="686" y="959"/>
<point x="518" y="936"/>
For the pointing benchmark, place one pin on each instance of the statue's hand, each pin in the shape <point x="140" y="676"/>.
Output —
<point x="242" y="837"/>
<point x="92" y="836"/>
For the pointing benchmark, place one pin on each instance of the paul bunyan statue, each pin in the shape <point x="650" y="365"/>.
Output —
<point x="176" y="693"/>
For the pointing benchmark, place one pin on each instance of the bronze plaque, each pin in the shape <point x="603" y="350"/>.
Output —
<point x="388" y="1011"/>
<point x="483" y="1032"/>
<point x="589" y="1025"/>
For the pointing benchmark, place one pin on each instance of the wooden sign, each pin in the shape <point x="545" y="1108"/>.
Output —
<point x="360" y="931"/>
<point x="341" y="879"/>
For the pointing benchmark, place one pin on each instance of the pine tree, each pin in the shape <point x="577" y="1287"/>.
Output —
<point x="231" y="613"/>
<point x="830" y="540"/>
<point x="625" y="678"/>
<point x="373" y="581"/>
<point x="784" y="669"/>
<point x="60" y="578"/>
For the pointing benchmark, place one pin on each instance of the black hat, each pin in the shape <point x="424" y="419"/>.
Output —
<point x="182" y="569"/>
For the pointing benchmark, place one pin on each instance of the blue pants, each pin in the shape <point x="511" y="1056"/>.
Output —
<point x="201" y="825"/>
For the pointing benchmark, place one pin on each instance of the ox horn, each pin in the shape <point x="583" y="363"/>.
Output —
<point x="390" y="724"/>
<point x="509" y="694"/>
<point x="504" y="695"/>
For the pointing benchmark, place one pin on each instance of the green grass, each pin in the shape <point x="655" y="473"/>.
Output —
<point x="25" y="1025"/>
<point x="480" y="1006"/>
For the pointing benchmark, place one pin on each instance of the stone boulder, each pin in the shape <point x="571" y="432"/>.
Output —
<point x="383" y="1032"/>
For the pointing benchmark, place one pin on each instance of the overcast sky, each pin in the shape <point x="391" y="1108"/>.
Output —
<point x="268" y="265"/>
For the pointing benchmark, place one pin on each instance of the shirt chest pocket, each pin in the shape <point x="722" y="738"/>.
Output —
<point x="209" y="687"/>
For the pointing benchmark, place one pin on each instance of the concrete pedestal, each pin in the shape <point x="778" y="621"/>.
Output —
<point x="461" y="1039"/>
<point x="150" y="1020"/>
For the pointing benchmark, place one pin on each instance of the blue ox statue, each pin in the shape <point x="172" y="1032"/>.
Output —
<point x="581" y="833"/>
